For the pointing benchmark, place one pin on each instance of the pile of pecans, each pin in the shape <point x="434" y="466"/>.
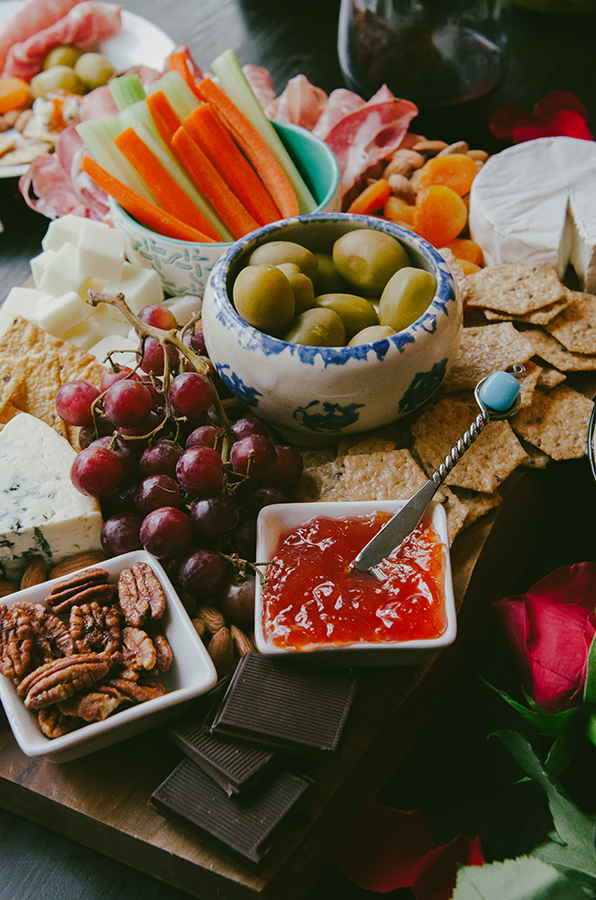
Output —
<point x="91" y="647"/>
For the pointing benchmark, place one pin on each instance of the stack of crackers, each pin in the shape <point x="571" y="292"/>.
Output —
<point x="33" y="366"/>
<point x="515" y="313"/>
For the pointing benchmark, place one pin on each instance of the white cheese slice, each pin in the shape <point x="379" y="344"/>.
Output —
<point x="41" y="512"/>
<point x="536" y="202"/>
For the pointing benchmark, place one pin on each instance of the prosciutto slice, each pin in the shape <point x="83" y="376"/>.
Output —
<point x="340" y="103"/>
<point x="31" y="17"/>
<point x="260" y="81"/>
<point x="86" y="24"/>
<point x="300" y="103"/>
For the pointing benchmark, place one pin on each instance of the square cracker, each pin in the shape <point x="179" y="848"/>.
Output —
<point x="517" y="288"/>
<point x="483" y="350"/>
<point x="37" y="391"/>
<point x="23" y="337"/>
<point x="11" y="380"/>
<point x="556" y="422"/>
<point x="485" y="464"/>
<point x="552" y="351"/>
<point x="381" y="475"/>
<point x="575" y="326"/>
<point x="537" y="317"/>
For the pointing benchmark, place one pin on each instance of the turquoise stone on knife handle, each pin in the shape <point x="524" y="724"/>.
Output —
<point x="499" y="391"/>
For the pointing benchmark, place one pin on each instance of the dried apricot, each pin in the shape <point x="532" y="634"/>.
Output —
<point x="397" y="210"/>
<point x="463" y="248"/>
<point x="372" y="198"/>
<point x="456" y="171"/>
<point x="440" y="214"/>
<point x="468" y="268"/>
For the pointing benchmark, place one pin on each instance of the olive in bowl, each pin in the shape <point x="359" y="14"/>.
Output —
<point x="313" y="392"/>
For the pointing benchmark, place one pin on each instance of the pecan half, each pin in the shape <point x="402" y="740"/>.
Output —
<point x="163" y="652"/>
<point x="95" y="705"/>
<point x="54" y="723"/>
<point x="82" y="587"/>
<point x="95" y="627"/>
<point x="16" y="642"/>
<point x="134" y="691"/>
<point x="51" y="637"/>
<point x="138" y="649"/>
<point x="141" y="594"/>
<point x="58" y="680"/>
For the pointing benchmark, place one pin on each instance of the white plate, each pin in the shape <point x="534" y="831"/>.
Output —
<point x="139" y="43"/>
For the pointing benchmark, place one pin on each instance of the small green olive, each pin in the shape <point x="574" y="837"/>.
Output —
<point x="407" y="295"/>
<point x="368" y="258"/>
<point x="94" y="70"/>
<point x="63" y="55"/>
<point x="264" y="298"/>
<point x="52" y="79"/>
<point x="372" y="334"/>
<point x="328" y="280"/>
<point x="276" y="252"/>
<point x="355" y="312"/>
<point x="304" y="292"/>
<point x="317" y="327"/>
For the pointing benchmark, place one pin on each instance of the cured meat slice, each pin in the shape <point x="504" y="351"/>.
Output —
<point x="260" y="81"/>
<point x="301" y="103"/>
<point x="340" y="103"/>
<point x="31" y="17"/>
<point x="86" y="24"/>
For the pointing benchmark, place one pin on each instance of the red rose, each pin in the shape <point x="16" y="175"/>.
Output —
<point x="559" y="113"/>
<point x="549" y="631"/>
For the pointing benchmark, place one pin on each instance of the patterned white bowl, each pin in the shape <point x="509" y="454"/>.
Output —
<point x="313" y="394"/>
<point x="184" y="266"/>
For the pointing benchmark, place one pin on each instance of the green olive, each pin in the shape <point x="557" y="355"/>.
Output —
<point x="264" y="298"/>
<point x="328" y="280"/>
<point x="304" y="292"/>
<point x="53" y="79"/>
<point x="94" y="70"/>
<point x="372" y="334"/>
<point x="317" y="327"/>
<point x="355" y="312"/>
<point x="368" y="258"/>
<point x="63" y="55"/>
<point x="407" y="295"/>
<point x="276" y="252"/>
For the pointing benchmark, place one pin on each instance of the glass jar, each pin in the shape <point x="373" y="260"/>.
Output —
<point x="432" y="52"/>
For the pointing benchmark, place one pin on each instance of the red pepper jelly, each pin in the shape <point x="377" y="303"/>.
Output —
<point x="311" y="597"/>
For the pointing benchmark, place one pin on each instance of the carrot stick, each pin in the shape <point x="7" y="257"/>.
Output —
<point x="177" y="63"/>
<point x="218" y="145"/>
<point x="253" y="146"/>
<point x="211" y="184"/>
<point x="148" y="213"/>
<point x="165" y="119"/>
<point x="168" y="194"/>
<point x="372" y="198"/>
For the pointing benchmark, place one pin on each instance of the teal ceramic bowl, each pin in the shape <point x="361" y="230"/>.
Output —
<point x="185" y="266"/>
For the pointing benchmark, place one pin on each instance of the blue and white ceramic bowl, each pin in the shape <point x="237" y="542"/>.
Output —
<point x="313" y="394"/>
<point x="184" y="266"/>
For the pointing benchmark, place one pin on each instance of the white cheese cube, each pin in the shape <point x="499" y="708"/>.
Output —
<point x="123" y="349"/>
<point x="41" y="512"/>
<point x="141" y="287"/>
<point x="39" y="263"/>
<point x="25" y="302"/>
<point x="109" y="320"/>
<point x="85" y="334"/>
<point x="101" y="250"/>
<point x="63" y="272"/>
<point x="60" y="231"/>
<point x="6" y="321"/>
<point x="58" y="314"/>
<point x="184" y="307"/>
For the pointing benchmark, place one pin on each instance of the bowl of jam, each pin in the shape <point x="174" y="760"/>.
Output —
<point x="312" y="605"/>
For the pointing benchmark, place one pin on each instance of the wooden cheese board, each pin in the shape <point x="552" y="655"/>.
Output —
<point x="102" y="800"/>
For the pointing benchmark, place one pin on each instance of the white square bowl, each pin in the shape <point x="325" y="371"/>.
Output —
<point x="191" y="674"/>
<point x="278" y="519"/>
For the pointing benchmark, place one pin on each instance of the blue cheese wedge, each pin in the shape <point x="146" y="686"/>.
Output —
<point x="536" y="203"/>
<point x="41" y="512"/>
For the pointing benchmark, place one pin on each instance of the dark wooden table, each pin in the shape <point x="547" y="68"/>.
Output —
<point x="460" y="779"/>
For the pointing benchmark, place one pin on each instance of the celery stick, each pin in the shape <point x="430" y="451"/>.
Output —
<point x="97" y="137"/>
<point x="127" y="89"/>
<point x="138" y="114"/>
<point x="234" y="83"/>
<point x="181" y="178"/>
<point x="179" y="94"/>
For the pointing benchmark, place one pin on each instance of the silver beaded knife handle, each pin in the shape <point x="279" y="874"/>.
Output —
<point x="498" y="398"/>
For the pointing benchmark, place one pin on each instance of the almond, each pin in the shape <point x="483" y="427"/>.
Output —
<point x="199" y="627"/>
<point x="6" y="588"/>
<point x="401" y="187"/>
<point x="221" y="651"/>
<point x="404" y="162"/>
<point x="242" y="642"/>
<point x="457" y="147"/>
<point x="429" y="148"/>
<point x="35" y="573"/>
<point x="212" y="617"/>
<point x="481" y="155"/>
<point x="80" y="561"/>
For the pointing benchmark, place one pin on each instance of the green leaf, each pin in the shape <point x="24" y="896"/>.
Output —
<point x="550" y="724"/>
<point x="590" y="685"/>
<point x="573" y="850"/>
<point x="561" y="752"/>
<point x="525" y="878"/>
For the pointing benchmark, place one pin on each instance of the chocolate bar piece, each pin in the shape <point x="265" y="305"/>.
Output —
<point x="234" y="766"/>
<point x="246" y="823"/>
<point x="284" y="705"/>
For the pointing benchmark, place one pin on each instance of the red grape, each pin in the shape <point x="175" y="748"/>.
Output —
<point x="118" y="374"/>
<point x="156" y="491"/>
<point x="214" y="517"/>
<point x="152" y="421"/>
<point x="191" y="394"/>
<point x="90" y="433"/>
<point x="203" y="572"/>
<point x="245" y="537"/>
<point x="121" y="534"/>
<point x="249" y="425"/>
<point x="200" y="471"/>
<point x="238" y="600"/>
<point x="166" y="532"/>
<point x="96" y="472"/>
<point x="159" y="317"/>
<point x="153" y="356"/>
<point x="73" y="402"/>
<point x="288" y="467"/>
<point x="123" y="452"/>
<point x="253" y="456"/>
<point x="127" y="403"/>
<point x="204" y="435"/>
<point x="161" y="458"/>
<point x="196" y="341"/>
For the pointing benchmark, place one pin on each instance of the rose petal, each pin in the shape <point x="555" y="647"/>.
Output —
<point x="506" y="118"/>
<point x="513" y="620"/>
<point x="438" y="873"/>
<point x="383" y="847"/>
<point x="565" y="123"/>
<point x="568" y="584"/>
<point x="557" y="101"/>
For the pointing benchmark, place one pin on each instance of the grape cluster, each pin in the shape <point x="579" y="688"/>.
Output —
<point x="172" y="472"/>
